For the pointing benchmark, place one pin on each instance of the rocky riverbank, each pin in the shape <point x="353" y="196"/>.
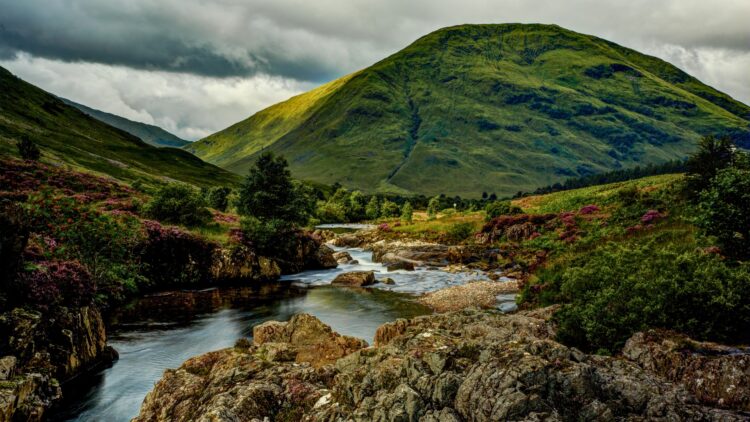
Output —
<point x="44" y="346"/>
<point x="468" y="365"/>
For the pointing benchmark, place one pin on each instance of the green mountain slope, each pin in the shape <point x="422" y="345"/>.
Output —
<point x="150" y="134"/>
<point x="497" y="108"/>
<point x="67" y="135"/>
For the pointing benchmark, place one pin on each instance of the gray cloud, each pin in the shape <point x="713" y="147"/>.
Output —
<point x="266" y="50"/>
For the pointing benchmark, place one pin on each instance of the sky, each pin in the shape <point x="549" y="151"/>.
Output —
<point x="195" y="67"/>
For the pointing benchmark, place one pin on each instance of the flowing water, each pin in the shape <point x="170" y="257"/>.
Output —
<point x="158" y="332"/>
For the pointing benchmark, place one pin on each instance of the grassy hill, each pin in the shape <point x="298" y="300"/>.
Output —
<point x="150" y="134"/>
<point x="496" y="108"/>
<point x="67" y="135"/>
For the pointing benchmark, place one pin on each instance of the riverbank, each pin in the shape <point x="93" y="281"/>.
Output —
<point x="469" y="365"/>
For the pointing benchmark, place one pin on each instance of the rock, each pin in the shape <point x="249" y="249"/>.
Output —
<point x="349" y="240"/>
<point x="355" y="278"/>
<point x="324" y="257"/>
<point x="324" y="235"/>
<point x="481" y="294"/>
<point x="520" y="232"/>
<point x="342" y="257"/>
<point x="401" y="265"/>
<point x="415" y="252"/>
<point x="7" y="367"/>
<point x="303" y="339"/>
<point x="459" y="366"/>
<point x="717" y="375"/>
<point x="387" y="280"/>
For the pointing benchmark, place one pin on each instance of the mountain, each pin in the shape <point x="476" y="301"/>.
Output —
<point x="67" y="135"/>
<point x="495" y="108"/>
<point x="150" y="134"/>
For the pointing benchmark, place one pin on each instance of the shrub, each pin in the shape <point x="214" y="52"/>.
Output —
<point x="724" y="211"/>
<point x="272" y="237"/>
<point x="218" y="198"/>
<point x="498" y="208"/>
<point x="389" y="209"/>
<point x="173" y="257"/>
<point x="432" y="207"/>
<point x="407" y="213"/>
<point x="713" y="155"/>
<point x="624" y="288"/>
<point x="331" y="212"/>
<point x="177" y="203"/>
<point x="372" y="210"/>
<point x="28" y="150"/>
<point x="460" y="231"/>
<point x="65" y="283"/>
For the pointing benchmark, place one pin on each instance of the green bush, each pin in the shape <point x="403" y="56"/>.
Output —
<point x="372" y="210"/>
<point x="624" y="288"/>
<point x="218" y="198"/>
<point x="331" y="212"/>
<point x="407" y="213"/>
<point x="461" y="231"/>
<point x="432" y="207"/>
<point x="273" y="237"/>
<point x="28" y="149"/>
<point x="389" y="209"/>
<point x="177" y="203"/>
<point x="724" y="211"/>
<point x="498" y="208"/>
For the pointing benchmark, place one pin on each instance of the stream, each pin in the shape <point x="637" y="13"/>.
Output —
<point x="161" y="331"/>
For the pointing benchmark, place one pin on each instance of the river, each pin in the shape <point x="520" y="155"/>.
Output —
<point x="161" y="331"/>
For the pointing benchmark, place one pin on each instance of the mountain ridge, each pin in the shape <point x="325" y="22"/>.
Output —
<point x="69" y="136"/>
<point x="150" y="134"/>
<point x="475" y="108"/>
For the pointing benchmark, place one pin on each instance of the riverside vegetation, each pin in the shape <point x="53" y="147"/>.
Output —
<point x="76" y="245"/>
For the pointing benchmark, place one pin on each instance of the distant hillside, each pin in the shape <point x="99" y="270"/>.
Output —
<point x="152" y="135"/>
<point x="495" y="108"/>
<point x="67" y="135"/>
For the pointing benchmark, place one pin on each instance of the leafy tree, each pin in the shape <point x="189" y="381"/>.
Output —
<point x="389" y="209"/>
<point x="357" y="205"/>
<point x="498" y="208"/>
<point x="725" y="211"/>
<point x="372" y="210"/>
<point x="28" y="149"/>
<point x="177" y="203"/>
<point x="713" y="155"/>
<point x="218" y="198"/>
<point x="407" y="213"/>
<point x="269" y="193"/>
<point x="432" y="207"/>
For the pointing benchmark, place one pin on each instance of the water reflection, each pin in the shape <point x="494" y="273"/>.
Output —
<point x="162" y="331"/>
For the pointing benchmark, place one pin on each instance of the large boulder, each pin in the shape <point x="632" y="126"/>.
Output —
<point x="715" y="374"/>
<point x="304" y="339"/>
<point x="460" y="366"/>
<point x="355" y="278"/>
<point x="342" y="257"/>
<point x="480" y="294"/>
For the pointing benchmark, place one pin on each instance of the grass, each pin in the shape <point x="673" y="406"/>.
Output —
<point x="485" y="108"/>
<point x="68" y="136"/>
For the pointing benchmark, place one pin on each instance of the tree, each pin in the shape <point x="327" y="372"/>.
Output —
<point x="713" y="155"/>
<point x="269" y="193"/>
<point x="372" y="210"/>
<point x="407" y="213"/>
<point x="725" y="211"/>
<point x="177" y="203"/>
<point x="432" y="207"/>
<point x="218" y="197"/>
<point x="389" y="209"/>
<point x="357" y="205"/>
<point x="28" y="149"/>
